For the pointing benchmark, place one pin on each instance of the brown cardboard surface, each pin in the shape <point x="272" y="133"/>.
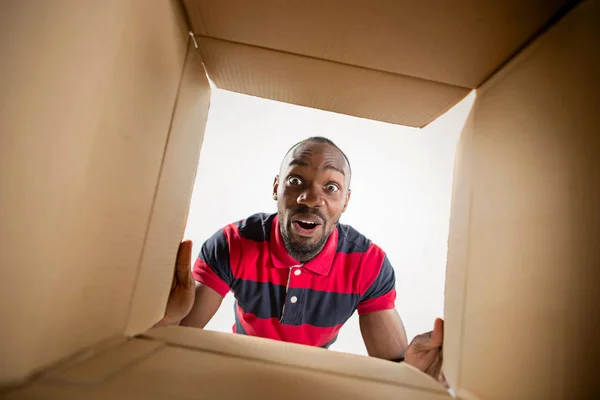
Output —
<point x="458" y="248"/>
<point x="522" y="299"/>
<point x="177" y="366"/>
<point x="95" y="167"/>
<point x="326" y="85"/>
<point x="297" y="356"/>
<point x="459" y="43"/>
<point x="86" y="102"/>
<point x="104" y="365"/>
<point x="172" y="199"/>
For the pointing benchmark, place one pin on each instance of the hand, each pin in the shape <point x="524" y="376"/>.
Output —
<point x="425" y="352"/>
<point x="181" y="298"/>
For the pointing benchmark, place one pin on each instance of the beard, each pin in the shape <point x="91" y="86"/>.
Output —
<point x="301" y="251"/>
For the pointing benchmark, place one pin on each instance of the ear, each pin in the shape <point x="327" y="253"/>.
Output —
<point x="347" y="200"/>
<point x="275" y="187"/>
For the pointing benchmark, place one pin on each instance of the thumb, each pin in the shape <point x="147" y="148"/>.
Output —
<point x="437" y="336"/>
<point x="184" y="262"/>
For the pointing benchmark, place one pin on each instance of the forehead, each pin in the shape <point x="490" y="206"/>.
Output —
<point x="316" y="155"/>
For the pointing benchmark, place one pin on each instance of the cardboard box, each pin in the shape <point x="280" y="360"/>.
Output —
<point x="102" y="113"/>
<point x="176" y="362"/>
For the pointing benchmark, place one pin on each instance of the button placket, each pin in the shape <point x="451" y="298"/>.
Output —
<point x="291" y="314"/>
<point x="299" y="307"/>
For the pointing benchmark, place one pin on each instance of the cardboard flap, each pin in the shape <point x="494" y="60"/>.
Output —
<point x="172" y="198"/>
<point x="459" y="43"/>
<point x="174" y="364"/>
<point x="522" y="298"/>
<point x="327" y="85"/>
<point x="296" y="356"/>
<point x="88" y="91"/>
<point x="102" y="367"/>
<point x="400" y="62"/>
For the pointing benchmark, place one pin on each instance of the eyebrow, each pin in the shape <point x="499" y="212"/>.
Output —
<point x="333" y="167"/>
<point x="302" y="163"/>
<point x="298" y="162"/>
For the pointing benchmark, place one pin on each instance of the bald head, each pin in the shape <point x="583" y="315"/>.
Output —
<point x="319" y="144"/>
<point x="312" y="191"/>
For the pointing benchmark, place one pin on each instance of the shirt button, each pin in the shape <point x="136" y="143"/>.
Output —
<point x="294" y="299"/>
<point x="297" y="272"/>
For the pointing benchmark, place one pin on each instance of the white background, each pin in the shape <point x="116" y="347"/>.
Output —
<point x="401" y="189"/>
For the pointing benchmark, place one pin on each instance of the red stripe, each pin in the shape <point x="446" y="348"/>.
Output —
<point x="271" y="328"/>
<point x="344" y="276"/>
<point x="235" y="244"/>
<point x="204" y="274"/>
<point x="350" y="273"/>
<point x="256" y="265"/>
<point x="385" y="302"/>
<point x="370" y="267"/>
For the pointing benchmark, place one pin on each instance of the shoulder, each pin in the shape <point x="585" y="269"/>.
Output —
<point x="352" y="241"/>
<point x="371" y="260"/>
<point x="256" y="227"/>
<point x="229" y="240"/>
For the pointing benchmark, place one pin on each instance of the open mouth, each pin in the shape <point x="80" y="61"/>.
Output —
<point x="305" y="228"/>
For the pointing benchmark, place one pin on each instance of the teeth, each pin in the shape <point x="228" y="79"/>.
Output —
<point x="307" y="222"/>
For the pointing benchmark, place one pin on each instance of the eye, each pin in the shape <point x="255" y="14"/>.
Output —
<point x="294" y="180"/>
<point x="332" y="188"/>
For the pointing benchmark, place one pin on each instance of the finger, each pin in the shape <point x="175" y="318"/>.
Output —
<point x="435" y="368"/>
<point x="184" y="262"/>
<point x="437" y="336"/>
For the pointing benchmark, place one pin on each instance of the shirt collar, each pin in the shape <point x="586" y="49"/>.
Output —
<point x="321" y="264"/>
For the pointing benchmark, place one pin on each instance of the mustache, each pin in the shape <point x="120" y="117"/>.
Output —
<point x="307" y="210"/>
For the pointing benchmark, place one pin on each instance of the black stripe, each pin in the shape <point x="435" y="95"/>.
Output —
<point x="326" y="346"/>
<point x="239" y="329"/>
<point x="384" y="283"/>
<point x="215" y="252"/>
<point x="263" y="299"/>
<point x="256" y="227"/>
<point x="319" y="308"/>
<point x="351" y="241"/>
<point x="314" y="307"/>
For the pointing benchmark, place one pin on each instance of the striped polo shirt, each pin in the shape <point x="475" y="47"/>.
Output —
<point x="279" y="298"/>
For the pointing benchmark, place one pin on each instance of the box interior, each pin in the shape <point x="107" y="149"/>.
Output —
<point x="103" y="113"/>
<point x="400" y="62"/>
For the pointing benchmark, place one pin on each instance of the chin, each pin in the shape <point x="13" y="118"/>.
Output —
<point x="305" y="241"/>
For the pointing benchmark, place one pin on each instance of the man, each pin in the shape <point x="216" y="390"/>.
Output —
<point x="298" y="275"/>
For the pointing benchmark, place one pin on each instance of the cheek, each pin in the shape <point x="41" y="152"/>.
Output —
<point x="336" y="206"/>
<point x="288" y="195"/>
<point x="286" y="199"/>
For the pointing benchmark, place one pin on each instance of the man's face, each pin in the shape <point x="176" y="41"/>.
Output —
<point x="312" y="193"/>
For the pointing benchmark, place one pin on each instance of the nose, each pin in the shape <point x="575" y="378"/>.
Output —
<point x="311" y="197"/>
